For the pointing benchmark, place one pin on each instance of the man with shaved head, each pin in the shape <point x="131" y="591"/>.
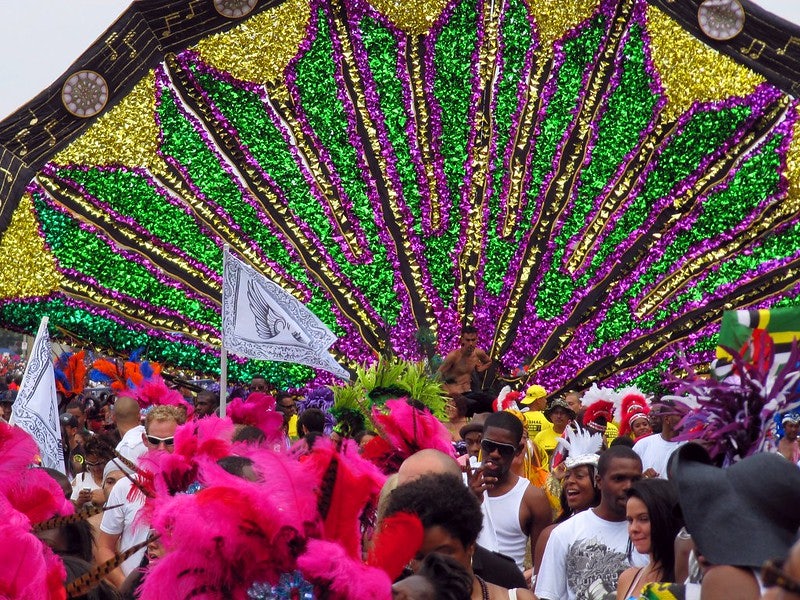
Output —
<point x="491" y="566"/>
<point x="426" y="462"/>
<point x="129" y="423"/>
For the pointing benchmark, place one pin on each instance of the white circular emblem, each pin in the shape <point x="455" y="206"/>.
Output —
<point x="235" y="9"/>
<point x="721" y="19"/>
<point x="85" y="93"/>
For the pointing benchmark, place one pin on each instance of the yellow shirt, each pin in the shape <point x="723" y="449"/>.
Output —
<point x="536" y="422"/>
<point x="292" y="426"/>
<point x="612" y="433"/>
<point x="547" y="439"/>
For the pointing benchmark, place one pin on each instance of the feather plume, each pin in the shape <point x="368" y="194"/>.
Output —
<point x="70" y="373"/>
<point x="82" y="515"/>
<point x="356" y="485"/>
<point x="506" y="400"/>
<point x="595" y="393"/>
<point x="106" y="371"/>
<point x="17" y="451"/>
<point x="125" y="464"/>
<point x="259" y="411"/>
<point x="633" y="406"/>
<point x="86" y="582"/>
<point x="598" y="415"/>
<point x="30" y="569"/>
<point x="408" y="430"/>
<point x="582" y="447"/>
<point x="154" y="392"/>
<point x="321" y="398"/>
<point x="396" y="542"/>
<point x="38" y="496"/>
<point x="733" y="417"/>
<point x="341" y="576"/>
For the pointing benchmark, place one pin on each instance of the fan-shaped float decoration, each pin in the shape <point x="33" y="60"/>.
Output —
<point x="586" y="182"/>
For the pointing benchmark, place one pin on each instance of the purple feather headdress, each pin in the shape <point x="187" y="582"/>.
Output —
<point x="734" y="416"/>
<point x="321" y="398"/>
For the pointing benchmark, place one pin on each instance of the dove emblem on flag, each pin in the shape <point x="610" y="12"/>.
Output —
<point x="262" y="320"/>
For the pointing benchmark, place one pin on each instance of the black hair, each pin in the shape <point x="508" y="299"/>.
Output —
<point x="76" y="403"/>
<point x="249" y="433"/>
<point x="360" y="435"/>
<point x="469" y="329"/>
<point x="235" y="464"/>
<point x="61" y="479"/>
<point x="281" y="395"/>
<point x="460" y="403"/>
<point x="73" y="539"/>
<point x="610" y="454"/>
<point x="661" y="500"/>
<point x="449" y="577"/>
<point x="68" y="419"/>
<point x="99" y="445"/>
<point x="313" y="419"/>
<point x="622" y="440"/>
<point x="504" y="420"/>
<point x="440" y="500"/>
<point x="75" y="568"/>
<point x="211" y="396"/>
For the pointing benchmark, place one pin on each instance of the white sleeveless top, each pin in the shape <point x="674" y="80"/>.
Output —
<point x="501" y="529"/>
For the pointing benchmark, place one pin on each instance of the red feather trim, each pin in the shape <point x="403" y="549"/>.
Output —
<point x="396" y="542"/>
<point x="631" y="406"/>
<point x="597" y="411"/>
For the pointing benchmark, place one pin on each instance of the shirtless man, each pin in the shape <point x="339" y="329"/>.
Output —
<point x="788" y="445"/>
<point x="456" y="370"/>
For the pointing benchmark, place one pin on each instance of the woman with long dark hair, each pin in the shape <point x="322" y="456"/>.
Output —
<point x="652" y="527"/>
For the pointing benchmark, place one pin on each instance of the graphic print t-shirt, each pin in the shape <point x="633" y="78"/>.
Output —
<point x="582" y="550"/>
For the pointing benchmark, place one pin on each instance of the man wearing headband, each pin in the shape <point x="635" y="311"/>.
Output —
<point x="513" y="510"/>
<point x="787" y="445"/>
<point x="656" y="449"/>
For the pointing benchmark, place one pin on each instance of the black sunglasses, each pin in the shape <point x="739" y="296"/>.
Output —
<point x="99" y="463"/>
<point x="489" y="446"/>
<point x="155" y="441"/>
<point x="772" y="574"/>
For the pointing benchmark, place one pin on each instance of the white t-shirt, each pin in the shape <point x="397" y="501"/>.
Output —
<point x="655" y="451"/>
<point x="581" y="550"/>
<point x="81" y="481"/>
<point x="120" y="521"/>
<point x="131" y="445"/>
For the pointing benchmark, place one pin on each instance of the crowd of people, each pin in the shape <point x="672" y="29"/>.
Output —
<point x="586" y="494"/>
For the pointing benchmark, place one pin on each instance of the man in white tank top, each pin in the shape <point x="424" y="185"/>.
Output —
<point x="513" y="510"/>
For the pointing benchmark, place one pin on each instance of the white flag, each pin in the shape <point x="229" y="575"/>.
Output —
<point x="36" y="408"/>
<point x="261" y="320"/>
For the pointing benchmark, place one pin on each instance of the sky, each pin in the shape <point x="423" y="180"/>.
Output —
<point x="40" y="39"/>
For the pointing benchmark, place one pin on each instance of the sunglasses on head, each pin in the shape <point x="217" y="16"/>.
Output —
<point x="156" y="441"/>
<point x="488" y="446"/>
<point x="772" y="574"/>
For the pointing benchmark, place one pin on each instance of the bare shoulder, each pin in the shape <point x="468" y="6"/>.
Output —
<point x="625" y="580"/>
<point x="536" y="498"/>
<point x="523" y="594"/>
<point x="731" y="583"/>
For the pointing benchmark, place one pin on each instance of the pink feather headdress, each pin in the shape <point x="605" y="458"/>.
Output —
<point x="403" y="431"/>
<point x="259" y="411"/>
<point x="27" y="496"/>
<point x="154" y="392"/>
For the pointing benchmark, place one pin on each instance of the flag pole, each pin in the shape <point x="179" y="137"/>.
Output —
<point x="223" y="381"/>
<point x="223" y="355"/>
